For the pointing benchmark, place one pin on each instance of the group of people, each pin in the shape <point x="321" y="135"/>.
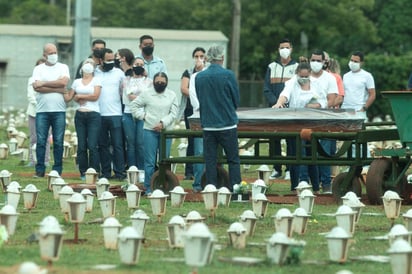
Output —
<point x="123" y="103"/>
<point x="315" y="83"/>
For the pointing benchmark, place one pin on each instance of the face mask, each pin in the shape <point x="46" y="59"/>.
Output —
<point x="88" y="68"/>
<point x="108" y="66"/>
<point x="198" y="62"/>
<point x="138" y="70"/>
<point x="284" y="53"/>
<point x="316" y="66"/>
<point x="148" y="50"/>
<point x="303" y="80"/>
<point x="354" y="66"/>
<point x="117" y="63"/>
<point x="52" y="58"/>
<point x="159" y="87"/>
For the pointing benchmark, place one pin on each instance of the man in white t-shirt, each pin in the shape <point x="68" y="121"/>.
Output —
<point x="329" y="87"/>
<point x="111" y="132"/>
<point x="49" y="80"/>
<point x="359" y="85"/>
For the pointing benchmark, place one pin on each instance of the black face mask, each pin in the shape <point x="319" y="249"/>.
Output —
<point x="98" y="53"/>
<point x="148" y="50"/>
<point x="117" y="63"/>
<point x="159" y="87"/>
<point x="138" y="70"/>
<point x="108" y="66"/>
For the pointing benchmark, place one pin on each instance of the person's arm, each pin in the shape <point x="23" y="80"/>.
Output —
<point x="371" y="99"/>
<point x="192" y="93"/>
<point x="39" y="86"/>
<point x="137" y="107"/>
<point x="68" y="96"/>
<point x="170" y="117"/>
<point x="267" y="89"/>
<point x="89" y="97"/>
<point x="281" y="102"/>
<point x="184" y="86"/>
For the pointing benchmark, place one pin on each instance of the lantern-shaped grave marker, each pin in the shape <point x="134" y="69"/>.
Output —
<point x="283" y="221"/>
<point x="107" y="204"/>
<point x="259" y="186"/>
<point x="400" y="254"/>
<point x="237" y="235"/>
<point x="277" y="248"/>
<point x="175" y="230"/>
<point x="177" y="196"/>
<point x="260" y="205"/>
<point x="91" y="176"/>
<point x="5" y="178"/>
<point x="248" y="220"/>
<point x="77" y="210"/>
<point x="303" y="185"/>
<point x="307" y="200"/>
<point x="263" y="174"/>
<point x="8" y="218"/>
<point x="57" y="186"/>
<point x="111" y="228"/>
<point x="407" y="218"/>
<point x="13" y="194"/>
<point x="51" y="176"/>
<point x="223" y="196"/>
<point x="133" y="194"/>
<point x="345" y="218"/>
<point x="102" y="185"/>
<point x="89" y="197"/>
<point x="338" y="244"/>
<point x="129" y="244"/>
<point x="392" y="205"/>
<point x="300" y="220"/>
<point x="30" y="195"/>
<point x="4" y="151"/>
<point x="198" y="246"/>
<point x="50" y="239"/>
<point x="12" y="145"/>
<point x="139" y="220"/>
<point x="193" y="217"/>
<point x="209" y="194"/>
<point x="356" y="206"/>
<point x="398" y="231"/>
<point x="158" y="202"/>
<point x="31" y="268"/>
<point x="64" y="194"/>
<point x="132" y="175"/>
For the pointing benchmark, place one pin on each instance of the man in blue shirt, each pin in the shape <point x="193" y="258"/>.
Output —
<point x="152" y="63"/>
<point x="218" y="95"/>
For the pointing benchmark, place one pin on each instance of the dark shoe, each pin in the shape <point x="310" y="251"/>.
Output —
<point x="38" y="175"/>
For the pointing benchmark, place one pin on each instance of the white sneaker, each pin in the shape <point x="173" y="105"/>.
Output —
<point x="287" y="175"/>
<point x="274" y="175"/>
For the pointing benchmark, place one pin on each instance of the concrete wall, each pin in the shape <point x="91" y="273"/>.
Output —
<point x="22" y="45"/>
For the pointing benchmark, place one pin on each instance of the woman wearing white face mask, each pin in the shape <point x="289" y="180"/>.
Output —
<point x="301" y="92"/>
<point x="86" y="91"/>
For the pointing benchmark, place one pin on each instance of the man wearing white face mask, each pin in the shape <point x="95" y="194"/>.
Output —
<point x="359" y="85"/>
<point x="49" y="80"/>
<point x="277" y="73"/>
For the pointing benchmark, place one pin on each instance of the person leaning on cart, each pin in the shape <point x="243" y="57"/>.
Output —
<point x="300" y="92"/>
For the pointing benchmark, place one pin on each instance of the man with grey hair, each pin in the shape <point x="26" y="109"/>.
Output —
<point x="218" y="95"/>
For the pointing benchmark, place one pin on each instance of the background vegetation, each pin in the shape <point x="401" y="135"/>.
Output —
<point x="379" y="28"/>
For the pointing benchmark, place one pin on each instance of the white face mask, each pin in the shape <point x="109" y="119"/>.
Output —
<point x="316" y="66"/>
<point x="354" y="66"/>
<point x="52" y="58"/>
<point x="88" y="68"/>
<point x="198" y="61"/>
<point x="284" y="53"/>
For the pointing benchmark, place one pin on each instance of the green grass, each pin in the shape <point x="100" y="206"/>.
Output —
<point x="157" y="257"/>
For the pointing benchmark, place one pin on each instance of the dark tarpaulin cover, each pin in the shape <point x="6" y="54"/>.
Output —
<point x="294" y="120"/>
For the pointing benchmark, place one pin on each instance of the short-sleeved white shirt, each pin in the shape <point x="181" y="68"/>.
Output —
<point x="88" y="89"/>
<point x="326" y="82"/>
<point x="109" y="100"/>
<point x="53" y="101"/>
<point x="298" y="98"/>
<point x="356" y="85"/>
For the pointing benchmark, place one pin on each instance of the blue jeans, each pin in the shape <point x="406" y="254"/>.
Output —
<point x="57" y="122"/>
<point x="228" y="140"/>
<point x="293" y="169"/>
<point x="198" y="168"/>
<point x="88" y="132"/>
<point x="111" y="134"/>
<point x="151" y="149"/>
<point x="329" y="146"/>
<point x="309" y="171"/>
<point x="133" y="131"/>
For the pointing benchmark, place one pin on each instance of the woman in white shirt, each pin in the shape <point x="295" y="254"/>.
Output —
<point x="301" y="92"/>
<point x="86" y="91"/>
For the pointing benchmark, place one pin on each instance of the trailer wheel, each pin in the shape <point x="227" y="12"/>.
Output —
<point x="339" y="190"/>
<point x="222" y="178"/>
<point x="379" y="171"/>
<point x="170" y="181"/>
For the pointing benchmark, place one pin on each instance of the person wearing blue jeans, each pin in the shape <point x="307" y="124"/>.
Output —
<point x="57" y="122"/>
<point x="49" y="80"/>
<point x="198" y="168"/>
<point x="157" y="106"/>
<point x="329" y="146"/>
<point x="218" y="95"/>
<point x="134" y="134"/>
